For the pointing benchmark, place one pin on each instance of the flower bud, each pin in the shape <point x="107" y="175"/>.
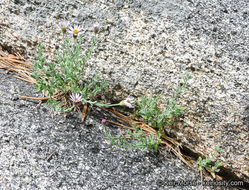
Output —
<point x="103" y="121"/>
<point x="96" y="28"/>
<point x="64" y="25"/>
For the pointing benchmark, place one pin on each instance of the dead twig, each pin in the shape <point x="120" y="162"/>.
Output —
<point x="84" y="113"/>
<point x="34" y="98"/>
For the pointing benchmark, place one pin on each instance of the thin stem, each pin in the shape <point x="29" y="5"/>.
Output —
<point x="99" y="104"/>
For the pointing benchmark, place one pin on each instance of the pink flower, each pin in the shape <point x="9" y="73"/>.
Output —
<point x="75" y="98"/>
<point x="103" y="121"/>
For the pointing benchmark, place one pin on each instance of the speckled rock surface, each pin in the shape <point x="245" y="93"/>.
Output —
<point x="146" y="46"/>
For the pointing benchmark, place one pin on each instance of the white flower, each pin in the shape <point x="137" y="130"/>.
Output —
<point x="76" y="30"/>
<point x="128" y="102"/>
<point x="75" y="98"/>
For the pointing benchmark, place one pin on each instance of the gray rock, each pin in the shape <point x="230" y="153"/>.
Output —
<point x="147" y="46"/>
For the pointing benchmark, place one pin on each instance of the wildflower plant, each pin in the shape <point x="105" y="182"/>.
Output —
<point x="63" y="80"/>
<point x="64" y="75"/>
<point x="148" y="109"/>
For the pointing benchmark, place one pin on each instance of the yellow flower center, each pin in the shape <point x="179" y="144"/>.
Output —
<point x="75" y="99"/>
<point x="75" y="31"/>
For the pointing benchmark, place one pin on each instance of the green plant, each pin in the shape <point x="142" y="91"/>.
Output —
<point x="148" y="109"/>
<point x="136" y="140"/>
<point x="206" y="163"/>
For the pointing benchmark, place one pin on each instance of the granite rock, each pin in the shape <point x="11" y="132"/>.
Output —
<point x="146" y="47"/>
